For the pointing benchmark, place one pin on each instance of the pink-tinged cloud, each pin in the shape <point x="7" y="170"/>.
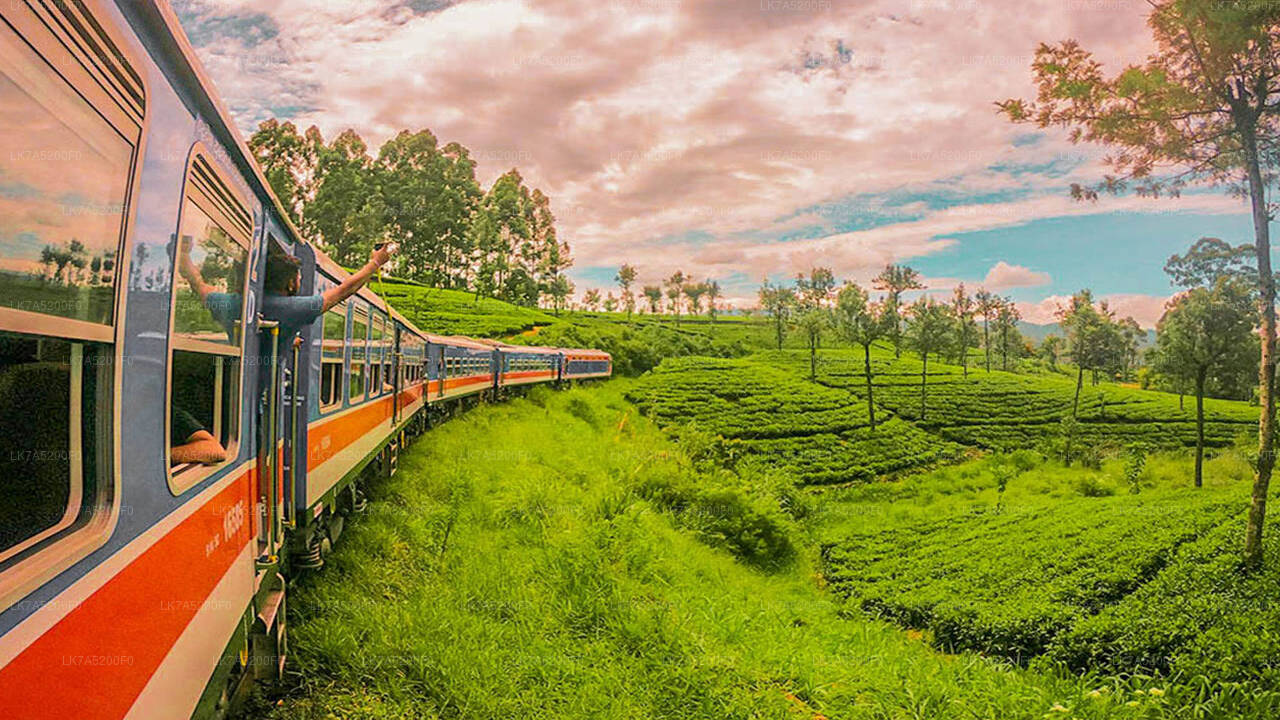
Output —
<point x="1003" y="276"/>
<point x="644" y="119"/>
<point x="1146" y="309"/>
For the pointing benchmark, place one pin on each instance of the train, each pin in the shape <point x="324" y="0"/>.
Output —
<point x="167" y="470"/>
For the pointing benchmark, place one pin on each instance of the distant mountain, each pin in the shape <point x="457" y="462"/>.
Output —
<point x="1038" y="333"/>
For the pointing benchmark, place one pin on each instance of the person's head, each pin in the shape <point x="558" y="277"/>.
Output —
<point x="283" y="275"/>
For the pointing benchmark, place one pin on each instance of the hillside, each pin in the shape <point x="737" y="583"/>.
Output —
<point x="593" y="569"/>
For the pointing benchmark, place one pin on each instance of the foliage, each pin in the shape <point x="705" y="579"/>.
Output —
<point x="452" y="234"/>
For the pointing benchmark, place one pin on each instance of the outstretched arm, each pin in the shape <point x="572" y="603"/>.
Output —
<point x="187" y="268"/>
<point x="377" y="259"/>
<point x="201" y="448"/>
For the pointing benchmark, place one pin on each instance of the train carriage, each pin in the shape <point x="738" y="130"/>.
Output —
<point x="587" y="364"/>
<point x="143" y="575"/>
<point x="525" y="365"/>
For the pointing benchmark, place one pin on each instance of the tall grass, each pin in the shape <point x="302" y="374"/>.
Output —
<point x="558" y="557"/>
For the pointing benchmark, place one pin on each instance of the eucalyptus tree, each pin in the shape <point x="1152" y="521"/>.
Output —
<point x="861" y="322"/>
<point x="928" y="331"/>
<point x="893" y="281"/>
<point x="1200" y="331"/>
<point x="625" y="278"/>
<point x="966" y="330"/>
<point x="778" y="303"/>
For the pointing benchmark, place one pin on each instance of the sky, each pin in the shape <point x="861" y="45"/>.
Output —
<point x="742" y="139"/>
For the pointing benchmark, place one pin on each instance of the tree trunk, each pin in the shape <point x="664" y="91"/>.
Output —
<point x="1200" y="426"/>
<point x="986" y="339"/>
<point x="924" y="382"/>
<point x="1004" y="349"/>
<point x="897" y="328"/>
<point x="1267" y="366"/>
<point x="1075" y="404"/>
<point x="813" y="358"/>
<point x="871" y="406"/>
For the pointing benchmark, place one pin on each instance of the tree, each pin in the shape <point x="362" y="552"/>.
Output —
<point x="561" y="289"/>
<point x="713" y="297"/>
<point x="1087" y="338"/>
<point x="928" y="331"/>
<point x="813" y="294"/>
<point x="675" y="290"/>
<point x="778" y="303"/>
<point x="592" y="299"/>
<point x="986" y="305"/>
<point x="1007" y="317"/>
<point x="962" y="309"/>
<point x="895" y="280"/>
<point x="1209" y="259"/>
<point x="1050" y="350"/>
<point x="861" y="323"/>
<point x="1201" y="329"/>
<point x="1202" y="108"/>
<point x="693" y="292"/>
<point x="653" y="293"/>
<point x="625" y="278"/>
<point x="1131" y="335"/>
<point x="610" y="302"/>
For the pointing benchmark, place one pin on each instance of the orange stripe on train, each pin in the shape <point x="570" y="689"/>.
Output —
<point x="96" y="660"/>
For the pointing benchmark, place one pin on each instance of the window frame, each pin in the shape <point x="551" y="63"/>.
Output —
<point x="357" y="308"/>
<point x="89" y="76"/>
<point x="340" y="381"/>
<point x="182" y="478"/>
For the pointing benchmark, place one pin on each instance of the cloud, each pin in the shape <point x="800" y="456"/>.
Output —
<point x="649" y="122"/>
<point x="1003" y="276"/>
<point x="1146" y="309"/>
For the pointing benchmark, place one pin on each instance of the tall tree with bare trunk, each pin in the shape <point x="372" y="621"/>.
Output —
<point x="1204" y="107"/>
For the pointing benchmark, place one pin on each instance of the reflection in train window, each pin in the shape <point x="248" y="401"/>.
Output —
<point x="64" y="174"/>
<point x="376" y="333"/>
<point x="54" y="437"/>
<point x="208" y="299"/>
<point x="335" y="335"/>
<point x="359" y="351"/>
<point x="209" y="289"/>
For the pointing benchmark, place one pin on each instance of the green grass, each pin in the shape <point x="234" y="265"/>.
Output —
<point x="577" y="564"/>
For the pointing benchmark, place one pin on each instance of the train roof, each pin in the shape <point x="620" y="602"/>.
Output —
<point x="457" y="340"/>
<point x="531" y="349"/>
<point x="585" y="351"/>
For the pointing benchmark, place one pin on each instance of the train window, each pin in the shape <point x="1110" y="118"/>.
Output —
<point x="388" y="358"/>
<point x="209" y="291"/>
<point x="66" y="173"/>
<point x="359" y="353"/>
<point x="55" y="436"/>
<point x="376" y="333"/>
<point x="331" y="350"/>
<point x="71" y="113"/>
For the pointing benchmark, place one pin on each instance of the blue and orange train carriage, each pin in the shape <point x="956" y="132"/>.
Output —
<point x="132" y="585"/>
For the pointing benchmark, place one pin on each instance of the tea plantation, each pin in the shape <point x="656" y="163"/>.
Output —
<point x="817" y="434"/>
<point x="1115" y="566"/>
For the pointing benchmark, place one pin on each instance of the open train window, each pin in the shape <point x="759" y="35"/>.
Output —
<point x="359" y="352"/>
<point x="71" y="115"/>
<point x="211" y="255"/>
<point x="331" y="351"/>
